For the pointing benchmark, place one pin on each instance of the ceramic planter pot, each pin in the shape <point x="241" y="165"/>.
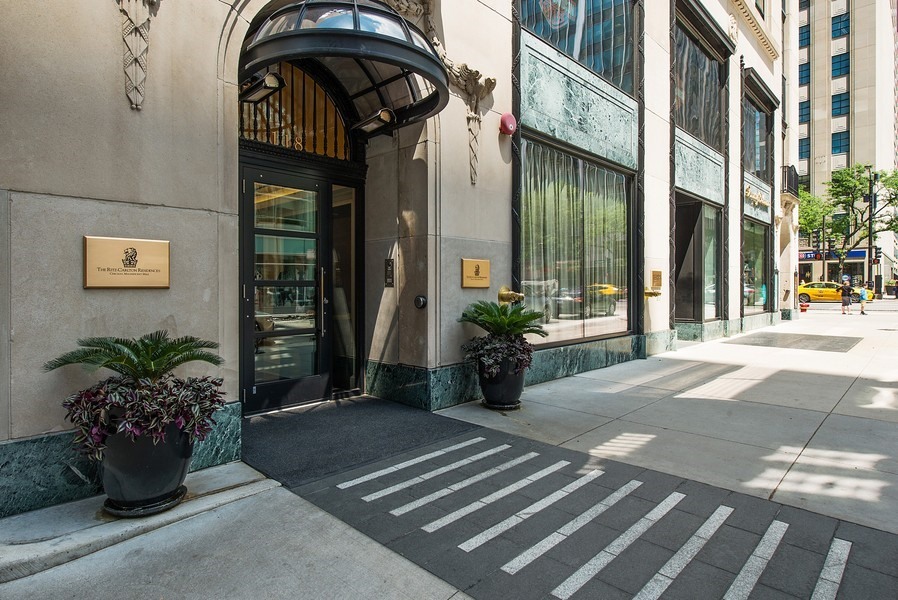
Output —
<point x="141" y="478"/>
<point x="502" y="391"/>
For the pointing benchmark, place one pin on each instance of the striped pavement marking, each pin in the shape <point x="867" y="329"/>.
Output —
<point x="555" y="538"/>
<point x="673" y="567"/>
<point x="584" y="574"/>
<point x="833" y="569"/>
<point x="461" y="485"/>
<point x="408" y="463"/>
<point x="526" y="513"/>
<point x="435" y="473"/>
<point x="757" y="562"/>
<point x="486" y="500"/>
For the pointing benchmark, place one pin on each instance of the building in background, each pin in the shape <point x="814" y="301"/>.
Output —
<point x="321" y="170"/>
<point x="846" y="109"/>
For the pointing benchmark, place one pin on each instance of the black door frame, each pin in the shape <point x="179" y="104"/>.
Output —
<point x="301" y="169"/>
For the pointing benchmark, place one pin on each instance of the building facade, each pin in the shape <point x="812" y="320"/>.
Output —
<point x="846" y="107"/>
<point x="336" y="180"/>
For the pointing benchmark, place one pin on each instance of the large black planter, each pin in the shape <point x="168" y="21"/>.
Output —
<point x="141" y="478"/>
<point x="502" y="391"/>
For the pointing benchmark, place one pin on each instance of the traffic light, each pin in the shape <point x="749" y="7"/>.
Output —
<point x="831" y="244"/>
<point x="815" y="239"/>
<point x="877" y="252"/>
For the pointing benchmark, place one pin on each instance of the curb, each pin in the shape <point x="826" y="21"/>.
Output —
<point x="22" y="560"/>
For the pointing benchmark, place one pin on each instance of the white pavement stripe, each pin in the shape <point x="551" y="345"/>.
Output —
<point x="673" y="567"/>
<point x="553" y="539"/>
<point x="408" y="463"/>
<point x="572" y="584"/>
<point x="461" y="485"/>
<point x="526" y="513"/>
<point x="435" y="473"/>
<point x="757" y="562"/>
<point x="833" y="568"/>
<point x="478" y="504"/>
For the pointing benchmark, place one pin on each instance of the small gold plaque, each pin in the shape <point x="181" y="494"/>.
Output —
<point x="656" y="279"/>
<point x="125" y="263"/>
<point x="475" y="273"/>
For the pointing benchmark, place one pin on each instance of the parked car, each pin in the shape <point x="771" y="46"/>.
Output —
<point x="825" y="291"/>
<point x="600" y="298"/>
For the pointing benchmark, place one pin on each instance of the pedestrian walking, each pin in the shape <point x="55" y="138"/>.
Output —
<point x="846" y="297"/>
<point x="863" y="298"/>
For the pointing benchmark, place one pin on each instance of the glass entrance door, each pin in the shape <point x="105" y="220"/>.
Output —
<point x="286" y="291"/>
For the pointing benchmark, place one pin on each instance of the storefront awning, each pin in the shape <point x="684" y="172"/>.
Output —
<point x="380" y="59"/>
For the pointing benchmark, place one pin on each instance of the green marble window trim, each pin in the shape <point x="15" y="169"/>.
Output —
<point x="699" y="168"/>
<point x="48" y="470"/>
<point x="563" y="99"/>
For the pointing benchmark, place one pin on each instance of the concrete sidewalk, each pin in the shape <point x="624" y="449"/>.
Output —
<point x="815" y="429"/>
<point x="243" y="536"/>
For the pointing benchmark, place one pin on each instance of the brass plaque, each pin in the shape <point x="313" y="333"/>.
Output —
<point x="475" y="273"/>
<point x="125" y="263"/>
<point x="656" y="279"/>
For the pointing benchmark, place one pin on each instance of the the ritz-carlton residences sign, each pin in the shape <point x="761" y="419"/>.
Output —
<point x="125" y="263"/>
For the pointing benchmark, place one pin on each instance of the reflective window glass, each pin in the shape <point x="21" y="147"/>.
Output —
<point x="285" y="208"/>
<point x="381" y="24"/>
<point x="841" y="25"/>
<point x="597" y="33"/>
<point x="574" y="244"/>
<point x="755" y="283"/>
<point x="841" y="104"/>
<point x="841" y="64"/>
<point x="841" y="142"/>
<point x="697" y="91"/>
<point x="756" y="127"/>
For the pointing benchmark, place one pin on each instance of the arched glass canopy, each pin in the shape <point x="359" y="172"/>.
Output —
<point x="388" y="69"/>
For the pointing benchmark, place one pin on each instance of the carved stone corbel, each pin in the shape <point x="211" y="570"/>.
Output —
<point x="469" y="81"/>
<point x="136" y="16"/>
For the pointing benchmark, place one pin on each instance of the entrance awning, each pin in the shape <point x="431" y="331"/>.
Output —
<point x="381" y="60"/>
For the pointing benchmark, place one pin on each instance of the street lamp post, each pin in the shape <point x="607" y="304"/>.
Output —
<point x="871" y="205"/>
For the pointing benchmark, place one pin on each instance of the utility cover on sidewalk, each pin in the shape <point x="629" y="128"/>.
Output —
<point x="797" y="341"/>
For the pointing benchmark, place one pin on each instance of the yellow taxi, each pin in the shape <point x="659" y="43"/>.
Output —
<point x="826" y="291"/>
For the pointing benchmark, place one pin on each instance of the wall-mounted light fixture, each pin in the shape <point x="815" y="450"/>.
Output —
<point x="262" y="88"/>
<point x="378" y="120"/>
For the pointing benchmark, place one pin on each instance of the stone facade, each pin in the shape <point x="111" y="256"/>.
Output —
<point x="78" y="158"/>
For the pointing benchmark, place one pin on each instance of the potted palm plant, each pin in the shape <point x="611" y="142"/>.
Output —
<point x="142" y="423"/>
<point x="503" y="354"/>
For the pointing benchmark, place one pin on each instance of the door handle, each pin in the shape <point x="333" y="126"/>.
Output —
<point x="323" y="301"/>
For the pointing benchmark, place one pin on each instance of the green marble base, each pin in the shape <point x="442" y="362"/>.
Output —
<point x="788" y="314"/>
<point x="658" y="342"/>
<point x="701" y="332"/>
<point x="430" y="389"/>
<point x="48" y="470"/>
<point x="435" y="389"/>
<point x="752" y="322"/>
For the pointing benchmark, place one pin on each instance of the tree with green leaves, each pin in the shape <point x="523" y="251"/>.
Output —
<point x="846" y="208"/>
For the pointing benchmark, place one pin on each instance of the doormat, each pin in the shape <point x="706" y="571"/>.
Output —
<point x="303" y="445"/>
<point x="798" y="341"/>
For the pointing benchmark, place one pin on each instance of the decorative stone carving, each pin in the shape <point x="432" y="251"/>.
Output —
<point x="734" y="29"/>
<point x="136" y="16"/>
<point x="467" y="80"/>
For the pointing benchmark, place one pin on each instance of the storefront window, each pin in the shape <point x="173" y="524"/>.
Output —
<point x="697" y="88"/>
<point x="756" y="128"/>
<point x="754" y="267"/>
<point x="697" y="274"/>
<point x="711" y="261"/>
<point x="596" y="33"/>
<point x="574" y="244"/>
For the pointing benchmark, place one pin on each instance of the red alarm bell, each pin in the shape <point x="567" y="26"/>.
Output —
<point x="508" y="124"/>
